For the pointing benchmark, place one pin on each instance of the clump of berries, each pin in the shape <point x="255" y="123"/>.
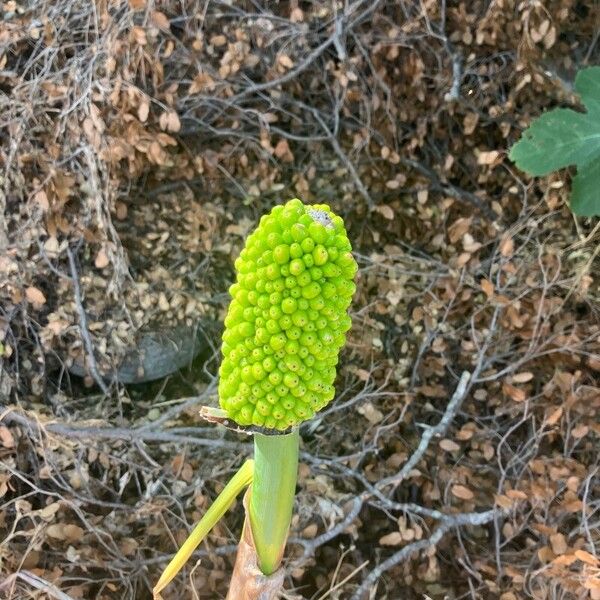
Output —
<point x="288" y="317"/>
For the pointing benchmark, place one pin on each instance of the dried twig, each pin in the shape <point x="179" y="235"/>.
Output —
<point x="310" y="546"/>
<point x="37" y="583"/>
<point x="449" y="523"/>
<point x="454" y="93"/>
<point x="83" y="325"/>
<point x="430" y="432"/>
<point x="116" y="433"/>
<point x="183" y="405"/>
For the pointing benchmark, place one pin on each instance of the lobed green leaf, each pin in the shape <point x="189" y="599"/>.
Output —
<point x="563" y="137"/>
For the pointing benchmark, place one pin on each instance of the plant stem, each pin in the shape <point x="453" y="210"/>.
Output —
<point x="272" y="498"/>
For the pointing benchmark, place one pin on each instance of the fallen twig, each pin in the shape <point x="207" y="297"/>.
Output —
<point x="310" y="546"/>
<point x="36" y="582"/>
<point x="114" y="433"/>
<point x="450" y="522"/>
<point x="431" y="432"/>
<point x="83" y="325"/>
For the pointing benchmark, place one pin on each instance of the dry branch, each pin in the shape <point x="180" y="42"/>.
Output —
<point x="83" y="325"/>
<point x="140" y="434"/>
<point x="429" y="433"/>
<point x="449" y="523"/>
<point x="36" y="582"/>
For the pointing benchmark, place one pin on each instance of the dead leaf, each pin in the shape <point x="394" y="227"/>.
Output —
<point x="458" y="229"/>
<point x="580" y="431"/>
<point x="169" y="121"/>
<point x="391" y="539"/>
<point x="515" y="393"/>
<point x="586" y="557"/>
<point x="101" y="261"/>
<point x="517" y="495"/>
<point x="143" y="110"/>
<point x="462" y="492"/>
<point x="470" y="122"/>
<point x="309" y="532"/>
<point x="218" y="41"/>
<point x="550" y="38"/>
<point x="6" y="437"/>
<point x="488" y="288"/>
<point x="488" y="158"/>
<point x="449" y="445"/>
<point x="285" y="61"/>
<point x="282" y="151"/>
<point x="545" y="554"/>
<point x="558" y="543"/>
<point x="48" y="512"/>
<point x="56" y="531"/>
<point x="386" y="211"/>
<point x="72" y="533"/>
<point x="35" y="296"/>
<point x="507" y="246"/>
<point x="565" y="560"/>
<point x="160" y="20"/>
<point x="372" y="414"/>
<point x="42" y="199"/>
<point x="523" y="377"/>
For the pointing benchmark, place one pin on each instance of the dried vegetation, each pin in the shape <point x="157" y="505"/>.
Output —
<point x="140" y="141"/>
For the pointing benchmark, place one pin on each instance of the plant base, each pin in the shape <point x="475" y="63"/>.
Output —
<point x="247" y="581"/>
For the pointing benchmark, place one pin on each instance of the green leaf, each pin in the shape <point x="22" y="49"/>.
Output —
<point x="587" y="85"/>
<point x="563" y="137"/>
<point x="557" y="139"/>
<point x="585" y="196"/>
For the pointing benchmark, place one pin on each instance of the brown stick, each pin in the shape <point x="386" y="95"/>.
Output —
<point x="247" y="581"/>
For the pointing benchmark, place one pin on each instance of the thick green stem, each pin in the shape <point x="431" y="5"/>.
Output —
<point x="272" y="498"/>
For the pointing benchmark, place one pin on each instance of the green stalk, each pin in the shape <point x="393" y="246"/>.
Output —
<point x="272" y="498"/>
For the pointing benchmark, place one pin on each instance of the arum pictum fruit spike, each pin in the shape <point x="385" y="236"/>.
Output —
<point x="283" y="332"/>
<point x="288" y="317"/>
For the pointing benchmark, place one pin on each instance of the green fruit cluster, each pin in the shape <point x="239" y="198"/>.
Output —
<point x="288" y="316"/>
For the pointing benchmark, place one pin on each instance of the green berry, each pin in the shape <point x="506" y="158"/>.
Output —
<point x="288" y="316"/>
<point x="308" y="260"/>
<point x="307" y="245"/>
<point x="312" y="290"/>
<point x="281" y="254"/>
<point x="296" y="250"/>
<point x="304" y="279"/>
<point x="299" y="232"/>
<point x="320" y="255"/>
<point x="317" y="232"/>
<point x="277" y="342"/>
<point x="275" y="377"/>
<point x="296" y="267"/>
<point x="289" y="306"/>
